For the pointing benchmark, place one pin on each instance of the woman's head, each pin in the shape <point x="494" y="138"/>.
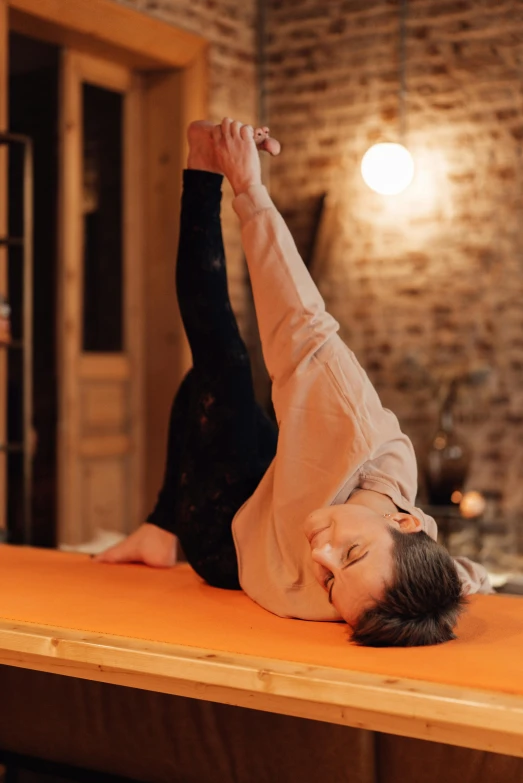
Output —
<point x="388" y="580"/>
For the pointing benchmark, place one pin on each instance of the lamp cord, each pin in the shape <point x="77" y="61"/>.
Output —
<point x="261" y="46"/>
<point x="402" y="92"/>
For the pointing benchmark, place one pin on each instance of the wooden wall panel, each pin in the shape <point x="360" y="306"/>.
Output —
<point x="105" y="408"/>
<point x="104" y="498"/>
<point x="171" y="100"/>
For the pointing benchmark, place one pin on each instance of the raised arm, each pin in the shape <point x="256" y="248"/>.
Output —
<point x="291" y="313"/>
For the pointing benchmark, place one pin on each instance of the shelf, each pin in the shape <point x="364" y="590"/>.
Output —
<point x="12" y="448"/>
<point x="13" y="345"/>
<point x="11" y="242"/>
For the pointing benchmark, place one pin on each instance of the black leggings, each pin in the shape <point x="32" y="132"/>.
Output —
<point x="220" y="442"/>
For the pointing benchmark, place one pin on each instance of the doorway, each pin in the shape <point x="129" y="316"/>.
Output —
<point x="33" y="112"/>
<point x="108" y="93"/>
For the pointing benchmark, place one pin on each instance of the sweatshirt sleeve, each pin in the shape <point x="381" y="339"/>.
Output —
<point x="291" y="313"/>
<point x="474" y="577"/>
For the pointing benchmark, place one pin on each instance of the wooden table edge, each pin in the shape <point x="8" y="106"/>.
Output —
<point x="480" y="719"/>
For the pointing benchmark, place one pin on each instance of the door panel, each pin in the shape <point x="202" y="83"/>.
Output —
<point x="100" y="301"/>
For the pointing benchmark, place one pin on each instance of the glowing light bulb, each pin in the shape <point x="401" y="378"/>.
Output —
<point x="387" y="168"/>
<point x="472" y="505"/>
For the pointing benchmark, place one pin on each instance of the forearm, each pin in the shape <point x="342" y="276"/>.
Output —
<point x="291" y="313"/>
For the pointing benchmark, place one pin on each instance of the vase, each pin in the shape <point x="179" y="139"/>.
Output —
<point x="447" y="459"/>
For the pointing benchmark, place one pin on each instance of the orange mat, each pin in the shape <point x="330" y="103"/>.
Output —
<point x="174" y="606"/>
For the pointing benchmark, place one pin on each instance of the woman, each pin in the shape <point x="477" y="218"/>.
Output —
<point x="314" y="519"/>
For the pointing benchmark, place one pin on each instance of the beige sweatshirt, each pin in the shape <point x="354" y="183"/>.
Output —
<point x="334" y="434"/>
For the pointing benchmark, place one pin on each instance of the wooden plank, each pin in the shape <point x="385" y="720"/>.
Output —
<point x="104" y="73"/>
<point x="69" y="297"/>
<point x="414" y="708"/>
<point x="103" y="446"/>
<point x="194" y="95"/>
<point x="105" y="408"/>
<point x="4" y="91"/>
<point x="171" y="101"/>
<point x="104" y="495"/>
<point x="163" y="327"/>
<point x="134" y="260"/>
<point x="104" y="367"/>
<point x="106" y="29"/>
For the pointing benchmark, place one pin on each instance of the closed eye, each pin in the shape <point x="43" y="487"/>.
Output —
<point x="354" y="561"/>
<point x="349" y="552"/>
<point x="330" y="591"/>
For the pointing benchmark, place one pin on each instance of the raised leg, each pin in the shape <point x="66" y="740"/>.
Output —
<point x="220" y="442"/>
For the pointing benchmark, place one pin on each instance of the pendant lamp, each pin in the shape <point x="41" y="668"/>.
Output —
<point x="388" y="167"/>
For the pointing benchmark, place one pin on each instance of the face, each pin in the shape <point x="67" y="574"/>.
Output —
<point x="351" y="549"/>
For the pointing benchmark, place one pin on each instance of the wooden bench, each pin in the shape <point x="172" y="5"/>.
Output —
<point x="167" y="632"/>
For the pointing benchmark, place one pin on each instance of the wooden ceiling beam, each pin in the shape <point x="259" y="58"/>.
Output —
<point x="107" y="29"/>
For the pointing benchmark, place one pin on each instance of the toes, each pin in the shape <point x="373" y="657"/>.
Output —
<point x="226" y="126"/>
<point x="247" y="132"/>
<point x="236" y="127"/>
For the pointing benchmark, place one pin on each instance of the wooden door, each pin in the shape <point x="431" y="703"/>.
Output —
<point x="100" y="373"/>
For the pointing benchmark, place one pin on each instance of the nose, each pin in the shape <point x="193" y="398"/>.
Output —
<point x="323" y="555"/>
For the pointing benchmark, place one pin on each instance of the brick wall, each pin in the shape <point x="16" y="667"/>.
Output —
<point x="431" y="282"/>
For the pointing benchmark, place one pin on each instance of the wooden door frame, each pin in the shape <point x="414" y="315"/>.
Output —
<point x="4" y="65"/>
<point x="174" y="63"/>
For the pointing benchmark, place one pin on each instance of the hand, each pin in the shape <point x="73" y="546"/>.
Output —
<point x="237" y="154"/>
<point x="148" y="544"/>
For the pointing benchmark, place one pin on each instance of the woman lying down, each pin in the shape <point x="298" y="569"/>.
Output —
<point x="315" y="518"/>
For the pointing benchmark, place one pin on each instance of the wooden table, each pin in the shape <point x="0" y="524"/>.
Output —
<point x="167" y="632"/>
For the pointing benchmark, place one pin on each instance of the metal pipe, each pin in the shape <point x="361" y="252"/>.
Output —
<point x="28" y="340"/>
<point x="402" y="92"/>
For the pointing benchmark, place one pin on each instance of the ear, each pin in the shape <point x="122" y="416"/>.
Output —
<point x="406" y="523"/>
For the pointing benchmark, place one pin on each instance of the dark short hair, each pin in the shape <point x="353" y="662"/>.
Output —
<point x="422" y="604"/>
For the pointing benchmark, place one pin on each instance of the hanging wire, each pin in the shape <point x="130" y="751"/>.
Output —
<point x="261" y="44"/>
<point x="519" y="145"/>
<point x="402" y="92"/>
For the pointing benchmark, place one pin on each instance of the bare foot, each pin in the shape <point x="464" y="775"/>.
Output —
<point x="149" y="544"/>
<point x="237" y="154"/>
<point x="202" y="153"/>
<point x="201" y="147"/>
